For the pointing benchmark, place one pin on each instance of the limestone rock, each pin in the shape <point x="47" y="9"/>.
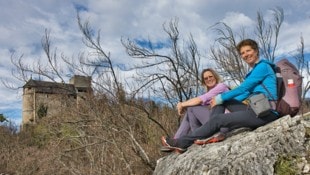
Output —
<point x="249" y="152"/>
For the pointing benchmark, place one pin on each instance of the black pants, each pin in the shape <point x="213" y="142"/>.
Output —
<point x="240" y="115"/>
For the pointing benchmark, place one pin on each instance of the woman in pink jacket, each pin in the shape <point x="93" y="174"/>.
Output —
<point x="196" y="111"/>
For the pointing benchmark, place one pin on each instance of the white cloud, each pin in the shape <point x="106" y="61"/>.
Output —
<point x="290" y="34"/>
<point x="237" y="20"/>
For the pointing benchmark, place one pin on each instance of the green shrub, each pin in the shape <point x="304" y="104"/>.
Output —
<point x="35" y="135"/>
<point x="286" y="165"/>
<point x="42" y="111"/>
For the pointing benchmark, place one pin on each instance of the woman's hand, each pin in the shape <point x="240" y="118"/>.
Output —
<point x="180" y="108"/>
<point x="217" y="100"/>
<point x="212" y="102"/>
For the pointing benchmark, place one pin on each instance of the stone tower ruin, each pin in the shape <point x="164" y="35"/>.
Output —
<point x="43" y="98"/>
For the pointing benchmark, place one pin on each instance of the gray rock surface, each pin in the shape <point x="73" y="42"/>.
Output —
<point x="248" y="152"/>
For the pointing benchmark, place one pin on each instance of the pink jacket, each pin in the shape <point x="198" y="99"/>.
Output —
<point x="218" y="89"/>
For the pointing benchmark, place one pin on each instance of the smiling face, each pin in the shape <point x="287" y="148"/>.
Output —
<point x="249" y="55"/>
<point x="249" y="51"/>
<point x="209" y="79"/>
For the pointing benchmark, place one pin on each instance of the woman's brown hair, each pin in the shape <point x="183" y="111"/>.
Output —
<point x="248" y="42"/>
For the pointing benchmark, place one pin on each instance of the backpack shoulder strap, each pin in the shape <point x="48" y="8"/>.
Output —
<point x="268" y="92"/>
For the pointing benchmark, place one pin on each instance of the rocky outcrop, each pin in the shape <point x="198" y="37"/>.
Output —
<point x="249" y="152"/>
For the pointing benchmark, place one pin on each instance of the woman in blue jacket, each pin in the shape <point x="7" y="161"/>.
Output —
<point x="241" y="115"/>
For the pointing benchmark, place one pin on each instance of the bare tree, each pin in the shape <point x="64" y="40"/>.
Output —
<point x="268" y="33"/>
<point x="303" y="66"/>
<point x="224" y="52"/>
<point x="113" y="118"/>
<point x="100" y="61"/>
<point x="173" y="76"/>
<point x="49" y="69"/>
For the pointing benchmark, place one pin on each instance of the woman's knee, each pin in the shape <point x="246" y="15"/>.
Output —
<point x="189" y="112"/>
<point x="218" y="120"/>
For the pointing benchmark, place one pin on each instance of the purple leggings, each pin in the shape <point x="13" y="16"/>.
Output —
<point x="194" y="117"/>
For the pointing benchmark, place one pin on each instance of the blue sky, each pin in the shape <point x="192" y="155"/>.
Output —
<point x="23" y="23"/>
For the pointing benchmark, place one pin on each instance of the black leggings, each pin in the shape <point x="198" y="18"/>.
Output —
<point x="240" y="116"/>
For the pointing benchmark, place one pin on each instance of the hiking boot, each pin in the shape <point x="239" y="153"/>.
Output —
<point x="216" y="138"/>
<point x="169" y="143"/>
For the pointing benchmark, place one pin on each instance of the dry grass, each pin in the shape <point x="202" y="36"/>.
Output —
<point x="98" y="138"/>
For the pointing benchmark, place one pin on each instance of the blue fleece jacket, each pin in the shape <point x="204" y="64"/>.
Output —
<point x="262" y="72"/>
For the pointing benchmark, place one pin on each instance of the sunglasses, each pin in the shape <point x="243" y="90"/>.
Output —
<point x="207" y="78"/>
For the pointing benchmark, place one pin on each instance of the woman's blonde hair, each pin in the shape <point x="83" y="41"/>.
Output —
<point x="216" y="76"/>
